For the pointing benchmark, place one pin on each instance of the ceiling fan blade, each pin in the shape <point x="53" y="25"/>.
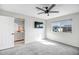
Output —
<point x="41" y="12"/>
<point x="53" y="11"/>
<point x="40" y="8"/>
<point x="53" y="5"/>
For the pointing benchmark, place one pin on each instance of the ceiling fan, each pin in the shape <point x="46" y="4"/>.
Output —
<point x="47" y="10"/>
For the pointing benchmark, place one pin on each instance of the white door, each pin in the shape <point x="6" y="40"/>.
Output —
<point x="6" y="30"/>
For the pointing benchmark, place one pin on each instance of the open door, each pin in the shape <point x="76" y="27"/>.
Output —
<point x="6" y="32"/>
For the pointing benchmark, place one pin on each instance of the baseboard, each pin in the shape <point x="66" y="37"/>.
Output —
<point x="19" y="40"/>
<point x="60" y="43"/>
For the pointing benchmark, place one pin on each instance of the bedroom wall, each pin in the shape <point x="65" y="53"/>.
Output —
<point x="33" y="34"/>
<point x="67" y="38"/>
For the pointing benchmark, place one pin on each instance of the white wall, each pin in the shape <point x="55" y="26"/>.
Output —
<point x="67" y="38"/>
<point x="33" y="34"/>
<point x="6" y="30"/>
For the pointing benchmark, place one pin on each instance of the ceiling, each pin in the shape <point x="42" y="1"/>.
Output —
<point x="30" y="10"/>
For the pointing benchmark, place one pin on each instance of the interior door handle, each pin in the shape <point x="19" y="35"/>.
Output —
<point x="13" y="33"/>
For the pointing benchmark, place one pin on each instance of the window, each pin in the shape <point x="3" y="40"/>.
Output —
<point x="62" y="26"/>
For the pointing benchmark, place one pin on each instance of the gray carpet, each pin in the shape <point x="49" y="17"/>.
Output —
<point x="39" y="48"/>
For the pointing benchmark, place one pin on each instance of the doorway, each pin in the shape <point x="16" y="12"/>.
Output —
<point x="19" y="36"/>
